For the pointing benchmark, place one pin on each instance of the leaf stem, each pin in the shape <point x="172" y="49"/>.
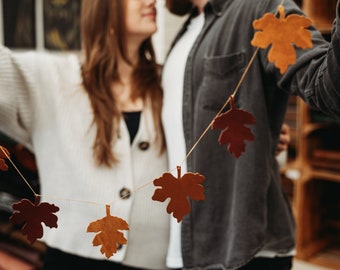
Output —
<point x="108" y="210"/>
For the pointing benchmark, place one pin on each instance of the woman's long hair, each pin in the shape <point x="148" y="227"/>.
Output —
<point x="104" y="37"/>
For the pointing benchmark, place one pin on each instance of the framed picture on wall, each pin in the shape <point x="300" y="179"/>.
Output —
<point x="61" y="24"/>
<point x="19" y="23"/>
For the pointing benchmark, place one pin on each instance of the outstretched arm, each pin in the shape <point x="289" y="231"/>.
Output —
<point x="16" y="80"/>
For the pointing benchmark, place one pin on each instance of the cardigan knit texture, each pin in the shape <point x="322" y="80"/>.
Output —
<point x="43" y="106"/>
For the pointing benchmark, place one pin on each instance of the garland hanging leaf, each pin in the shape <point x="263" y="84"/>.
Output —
<point x="33" y="215"/>
<point x="178" y="189"/>
<point x="4" y="153"/>
<point x="233" y="128"/>
<point x="108" y="235"/>
<point x="282" y="33"/>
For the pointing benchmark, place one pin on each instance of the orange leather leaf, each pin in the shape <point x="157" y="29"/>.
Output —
<point x="234" y="131"/>
<point x="33" y="215"/>
<point x="178" y="190"/>
<point x="4" y="153"/>
<point x="108" y="234"/>
<point x="282" y="33"/>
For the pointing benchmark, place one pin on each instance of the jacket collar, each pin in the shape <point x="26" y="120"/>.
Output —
<point x="216" y="6"/>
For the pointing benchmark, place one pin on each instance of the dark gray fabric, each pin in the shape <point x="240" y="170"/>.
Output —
<point x="245" y="209"/>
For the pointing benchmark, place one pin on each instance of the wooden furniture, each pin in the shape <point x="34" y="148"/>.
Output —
<point x="315" y="174"/>
<point x="322" y="13"/>
<point x="311" y="177"/>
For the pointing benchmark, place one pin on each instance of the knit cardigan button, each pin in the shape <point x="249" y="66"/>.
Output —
<point x="124" y="193"/>
<point x="144" y="146"/>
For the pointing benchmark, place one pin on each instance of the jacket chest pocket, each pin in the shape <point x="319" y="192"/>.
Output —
<point x="220" y="77"/>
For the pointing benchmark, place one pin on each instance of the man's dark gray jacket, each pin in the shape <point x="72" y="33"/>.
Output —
<point x="245" y="209"/>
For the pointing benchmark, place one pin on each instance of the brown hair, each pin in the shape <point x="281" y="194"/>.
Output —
<point x="103" y="36"/>
<point x="179" y="7"/>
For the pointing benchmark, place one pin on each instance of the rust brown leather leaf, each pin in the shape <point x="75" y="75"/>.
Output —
<point x="179" y="190"/>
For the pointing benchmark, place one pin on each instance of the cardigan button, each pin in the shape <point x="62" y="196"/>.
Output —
<point x="144" y="146"/>
<point x="124" y="193"/>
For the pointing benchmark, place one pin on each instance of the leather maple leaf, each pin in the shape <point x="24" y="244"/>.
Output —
<point x="282" y="33"/>
<point x="33" y="215"/>
<point x="178" y="190"/>
<point x="234" y="132"/>
<point x="108" y="235"/>
<point x="4" y="153"/>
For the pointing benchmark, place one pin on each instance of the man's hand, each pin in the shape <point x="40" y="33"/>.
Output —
<point x="284" y="139"/>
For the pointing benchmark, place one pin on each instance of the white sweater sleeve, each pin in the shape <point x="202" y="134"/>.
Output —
<point x="18" y="82"/>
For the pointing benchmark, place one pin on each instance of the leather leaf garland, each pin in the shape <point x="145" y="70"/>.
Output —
<point x="178" y="190"/>
<point x="32" y="215"/>
<point x="282" y="33"/>
<point x="108" y="234"/>
<point x="4" y="153"/>
<point x="234" y="132"/>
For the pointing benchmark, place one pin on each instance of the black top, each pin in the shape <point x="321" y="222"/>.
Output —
<point x="132" y="120"/>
